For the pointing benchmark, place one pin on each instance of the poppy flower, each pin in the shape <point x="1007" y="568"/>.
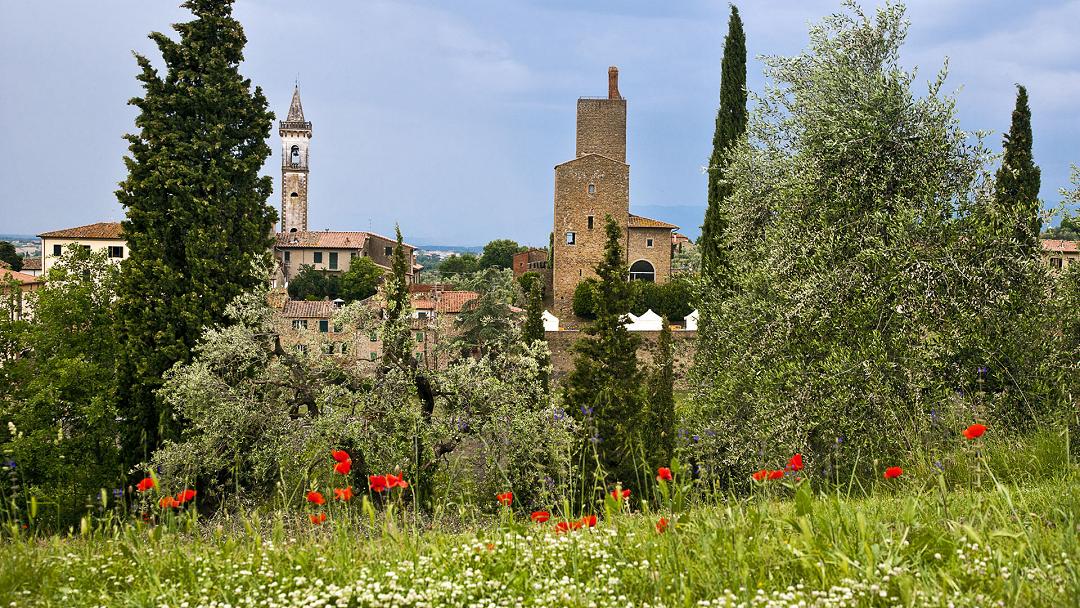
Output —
<point x="576" y="524"/>
<point x="540" y="516"/>
<point x="795" y="464"/>
<point x="663" y="473"/>
<point x="893" y="472"/>
<point x="974" y="431"/>
<point x="617" y="495"/>
<point x="562" y="526"/>
<point x="774" y="475"/>
<point x="377" y="483"/>
<point x="662" y="525"/>
<point x="396" y="481"/>
<point x="318" y="518"/>
<point x="340" y="455"/>
<point x="316" y="498"/>
<point x="145" y="484"/>
<point x="168" y="502"/>
<point x="185" y="496"/>
<point x="343" y="467"/>
<point x="505" y="499"/>
<point x="343" y="493"/>
<point x="589" y="520"/>
<point x="760" y="475"/>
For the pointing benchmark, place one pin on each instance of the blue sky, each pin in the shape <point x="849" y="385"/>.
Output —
<point x="449" y="116"/>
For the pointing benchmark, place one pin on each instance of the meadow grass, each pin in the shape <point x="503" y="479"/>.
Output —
<point x="912" y="543"/>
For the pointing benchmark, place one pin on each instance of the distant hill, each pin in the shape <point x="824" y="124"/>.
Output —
<point x="687" y="217"/>
<point x="17" y="237"/>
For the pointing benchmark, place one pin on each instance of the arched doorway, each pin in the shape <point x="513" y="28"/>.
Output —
<point x="642" y="270"/>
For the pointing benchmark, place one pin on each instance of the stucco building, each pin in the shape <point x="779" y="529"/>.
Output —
<point x="594" y="185"/>
<point x="1059" y="255"/>
<point x="102" y="236"/>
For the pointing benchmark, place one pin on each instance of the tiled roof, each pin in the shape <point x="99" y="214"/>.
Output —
<point x="100" y="230"/>
<point x="1060" y="246"/>
<point x="637" y="221"/>
<point x="7" y="274"/>
<point x="33" y="263"/>
<point x="679" y="238"/>
<point x="324" y="240"/>
<point x="303" y="309"/>
<point x="451" y="302"/>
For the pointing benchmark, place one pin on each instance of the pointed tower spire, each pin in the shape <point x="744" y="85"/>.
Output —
<point x="296" y="111"/>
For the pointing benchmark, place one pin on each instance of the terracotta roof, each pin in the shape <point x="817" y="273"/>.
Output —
<point x="31" y="263"/>
<point x="679" y="238"/>
<point x="324" y="240"/>
<point x="1060" y="246"/>
<point x="303" y="309"/>
<point x="451" y="302"/>
<point x="100" y="230"/>
<point x="7" y="274"/>
<point x="637" y="221"/>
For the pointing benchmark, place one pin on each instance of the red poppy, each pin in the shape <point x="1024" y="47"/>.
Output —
<point x="893" y="472"/>
<point x="505" y="499"/>
<point x="168" y="502"/>
<point x="663" y="473"/>
<point x="377" y="483"/>
<point x="562" y="526"/>
<point x="185" y="496"/>
<point x="795" y="464"/>
<point x="145" y="484"/>
<point x="343" y="493"/>
<point x="540" y="516"/>
<point x="774" y="475"/>
<point x="343" y="467"/>
<point x="318" y="518"/>
<point x="576" y="524"/>
<point x="589" y="520"/>
<point x="617" y="495"/>
<point x="340" y="455"/>
<point x="316" y="497"/>
<point x="760" y="475"/>
<point x="396" y="482"/>
<point x="974" y="431"/>
<point x="662" y="525"/>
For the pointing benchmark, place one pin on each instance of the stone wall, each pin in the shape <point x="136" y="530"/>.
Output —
<point x="659" y="255"/>
<point x="684" y="342"/>
<point x="601" y="128"/>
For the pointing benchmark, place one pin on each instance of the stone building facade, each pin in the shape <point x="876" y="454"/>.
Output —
<point x="593" y="186"/>
<point x="295" y="135"/>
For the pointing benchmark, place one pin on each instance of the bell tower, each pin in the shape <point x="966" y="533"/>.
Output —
<point x="295" y="138"/>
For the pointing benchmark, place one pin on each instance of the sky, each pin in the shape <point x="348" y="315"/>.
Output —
<point x="448" y="117"/>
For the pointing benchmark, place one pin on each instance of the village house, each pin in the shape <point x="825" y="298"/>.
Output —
<point x="102" y="236"/>
<point x="1059" y="255"/>
<point x="14" y="287"/>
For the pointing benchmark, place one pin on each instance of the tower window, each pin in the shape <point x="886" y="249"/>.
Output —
<point x="293" y="195"/>
<point x="590" y="222"/>
<point x="648" y="242"/>
<point x="294" y="156"/>
<point x="286" y="257"/>
<point x="571" y="238"/>
<point x="292" y="229"/>
<point x="592" y="188"/>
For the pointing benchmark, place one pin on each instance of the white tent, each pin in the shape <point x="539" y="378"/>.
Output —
<point x="551" y="322"/>
<point x="650" y="321"/>
<point x="691" y="320"/>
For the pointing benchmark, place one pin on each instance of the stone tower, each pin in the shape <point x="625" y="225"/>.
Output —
<point x="588" y="188"/>
<point x="295" y="138"/>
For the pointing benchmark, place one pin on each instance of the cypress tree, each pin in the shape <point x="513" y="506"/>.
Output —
<point x="730" y="126"/>
<point x="1016" y="197"/>
<point x="605" y="384"/>
<point x="659" y="424"/>
<point x="534" y="314"/>
<point x="396" y="351"/>
<point x="198" y="227"/>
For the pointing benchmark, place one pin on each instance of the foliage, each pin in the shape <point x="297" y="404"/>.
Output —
<point x="687" y="261"/>
<point x="533" y="328"/>
<point x="526" y="280"/>
<point x="672" y="300"/>
<point x="585" y="295"/>
<point x="58" y="392"/>
<point x="312" y="284"/>
<point x="1069" y="228"/>
<point x="395" y="334"/>
<point x="870" y="317"/>
<point x="605" y="384"/>
<point x="361" y="280"/>
<point x="197" y="222"/>
<point x="9" y="255"/>
<point x="459" y="264"/>
<point x="500" y="254"/>
<point x="1015" y="213"/>
<point x="486" y="324"/>
<point x="730" y="127"/>
<point x="658" y="419"/>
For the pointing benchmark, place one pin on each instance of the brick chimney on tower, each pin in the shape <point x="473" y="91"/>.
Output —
<point x="613" y="83"/>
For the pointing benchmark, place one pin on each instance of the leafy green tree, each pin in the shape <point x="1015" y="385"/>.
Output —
<point x="486" y="324"/>
<point x="397" y="347"/>
<point x="465" y="263"/>
<point x="361" y="280"/>
<point x="59" y="392"/>
<point x="1015" y="213"/>
<point x="605" y="386"/>
<point x="731" y="121"/>
<point x="584" y="302"/>
<point x="9" y="255"/>
<point x="672" y="300"/>
<point x="659" y="416"/>
<point x="500" y="253"/>
<point x="1067" y="230"/>
<point x="197" y="221"/>
<point x="312" y="284"/>
<point x="534" y="313"/>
